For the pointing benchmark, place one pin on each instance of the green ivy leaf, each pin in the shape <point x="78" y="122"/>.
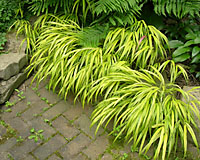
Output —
<point x="182" y="57"/>
<point x="175" y="43"/>
<point x="195" y="51"/>
<point x="181" y="50"/>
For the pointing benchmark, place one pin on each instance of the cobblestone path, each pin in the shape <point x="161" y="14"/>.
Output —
<point x="35" y="124"/>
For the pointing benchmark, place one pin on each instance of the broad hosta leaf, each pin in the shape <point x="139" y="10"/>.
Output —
<point x="196" y="59"/>
<point x="175" y="43"/>
<point x="190" y="36"/>
<point x="182" y="57"/>
<point x="195" y="51"/>
<point x="197" y="40"/>
<point x="180" y="50"/>
<point x="198" y="74"/>
<point x="193" y="68"/>
<point x="189" y="43"/>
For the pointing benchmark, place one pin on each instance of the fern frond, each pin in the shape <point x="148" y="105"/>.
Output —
<point x="92" y="36"/>
<point x="178" y="8"/>
<point x="105" y="6"/>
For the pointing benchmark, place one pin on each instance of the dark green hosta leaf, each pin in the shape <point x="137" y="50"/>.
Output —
<point x="198" y="75"/>
<point x="182" y="57"/>
<point x="175" y="43"/>
<point x="196" y="59"/>
<point x="193" y="68"/>
<point x="189" y="43"/>
<point x="190" y="36"/>
<point x="181" y="50"/>
<point x="197" y="40"/>
<point x="195" y="51"/>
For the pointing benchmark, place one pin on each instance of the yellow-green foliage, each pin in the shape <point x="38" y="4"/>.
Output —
<point x="143" y="103"/>
<point x="72" y="67"/>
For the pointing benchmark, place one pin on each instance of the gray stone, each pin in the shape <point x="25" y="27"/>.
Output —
<point x="14" y="43"/>
<point x="11" y="64"/>
<point x="7" y="87"/>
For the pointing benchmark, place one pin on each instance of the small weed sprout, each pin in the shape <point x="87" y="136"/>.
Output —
<point x="45" y="108"/>
<point x="36" y="135"/>
<point x="18" y="114"/>
<point x="9" y="104"/>
<point x="8" y="110"/>
<point x="20" y="94"/>
<point x="20" y="139"/>
<point x="44" y="99"/>
<point x="48" y="122"/>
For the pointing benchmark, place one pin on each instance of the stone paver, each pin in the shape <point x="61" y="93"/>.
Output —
<point x="8" y="144"/>
<point x="18" y="108"/>
<point x="39" y="124"/>
<point x="34" y="84"/>
<point x="56" y="110"/>
<point x="20" y="126"/>
<point x="35" y="109"/>
<point x="65" y="128"/>
<point x="73" y="112"/>
<point x="97" y="148"/>
<point x="83" y="122"/>
<point x="31" y="96"/>
<point x="29" y="157"/>
<point x="76" y="146"/>
<point x="54" y="157"/>
<point x="2" y="131"/>
<point x="3" y="155"/>
<point x="107" y="157"/>
<point x="49" y="147"/>
<point x="49" y="95"/>
<point x="19" y="152"/>
<point x="79" y="157"/>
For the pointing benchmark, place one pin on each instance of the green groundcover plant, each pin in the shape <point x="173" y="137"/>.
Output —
<point x="144" y="104"/>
